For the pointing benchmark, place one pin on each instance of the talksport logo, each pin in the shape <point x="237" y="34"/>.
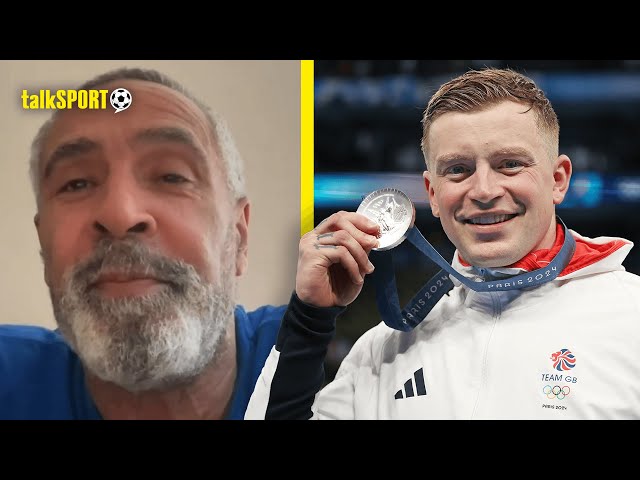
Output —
<point x="120" y="99"/>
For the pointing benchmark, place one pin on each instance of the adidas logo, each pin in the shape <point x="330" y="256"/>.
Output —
<point x="408" y="390"/>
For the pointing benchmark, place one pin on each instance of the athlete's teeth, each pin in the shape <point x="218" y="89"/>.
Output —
<point x="489" y="219"/>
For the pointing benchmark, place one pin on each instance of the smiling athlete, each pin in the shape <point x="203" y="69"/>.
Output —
<point x="494" y="177"/>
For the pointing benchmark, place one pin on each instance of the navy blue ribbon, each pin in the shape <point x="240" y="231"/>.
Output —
<point x="440" y="284"/>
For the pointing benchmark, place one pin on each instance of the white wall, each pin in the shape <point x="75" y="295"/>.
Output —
<point x="261" y="102"/>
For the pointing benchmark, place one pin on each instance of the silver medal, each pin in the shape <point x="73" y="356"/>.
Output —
<point x="393" y="211"/>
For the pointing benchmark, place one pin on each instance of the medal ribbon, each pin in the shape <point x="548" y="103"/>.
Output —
<point x="440" y="284"/>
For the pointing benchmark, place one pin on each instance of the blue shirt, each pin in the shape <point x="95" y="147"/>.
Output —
<point x="42" y="378"/>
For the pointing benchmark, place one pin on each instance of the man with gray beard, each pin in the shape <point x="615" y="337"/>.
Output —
<point x="143" y="223"/>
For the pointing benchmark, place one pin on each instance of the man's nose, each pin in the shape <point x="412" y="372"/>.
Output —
<point x="486" y="185"/>
<point x="123" y="210"/>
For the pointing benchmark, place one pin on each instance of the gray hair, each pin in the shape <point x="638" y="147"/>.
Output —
<point x="223" y="139"/>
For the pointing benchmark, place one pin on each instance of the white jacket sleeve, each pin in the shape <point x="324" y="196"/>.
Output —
<point x="257" y="408"/>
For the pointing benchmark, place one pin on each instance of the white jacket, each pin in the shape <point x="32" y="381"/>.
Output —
<point x="568" y="349"/>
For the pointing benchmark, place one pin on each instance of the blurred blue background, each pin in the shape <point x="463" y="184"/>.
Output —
<point x="367" y="136"/>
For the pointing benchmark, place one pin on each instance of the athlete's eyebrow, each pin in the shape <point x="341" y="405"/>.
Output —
<point x="68" y="150"/>
<point x="512" y="151"/>
<point x="443" y="161"/>
<point x="449" y="157"/>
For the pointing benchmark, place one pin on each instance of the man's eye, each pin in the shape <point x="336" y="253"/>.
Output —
<point x="74" y="185"/>
<point x="512" y="164"/>
<point x="456" y="170"/>
<point x="173" y="178"/>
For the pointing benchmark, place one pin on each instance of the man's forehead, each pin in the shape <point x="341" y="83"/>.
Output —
<point x="158" y="115"/>
<point x="505" y="129"/>
<point x="154" y="107"/>
<point x="506" y="119"/>
<point x="498" y="111"/>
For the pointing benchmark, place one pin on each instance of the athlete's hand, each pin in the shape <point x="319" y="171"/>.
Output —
<point x="334" y="259"/>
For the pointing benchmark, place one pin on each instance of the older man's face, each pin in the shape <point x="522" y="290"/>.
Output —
<point x="141" y="237"/>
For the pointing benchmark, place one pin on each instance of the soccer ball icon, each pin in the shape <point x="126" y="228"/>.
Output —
<point x="121" y="99"/>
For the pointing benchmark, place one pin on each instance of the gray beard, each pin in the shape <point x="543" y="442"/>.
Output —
<point x="154" y="342"/>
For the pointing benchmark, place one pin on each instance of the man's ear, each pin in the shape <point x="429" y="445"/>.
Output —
<point x="243" y="209"/>
<point x="433" y="202"/>
<point x="562" y="177"/>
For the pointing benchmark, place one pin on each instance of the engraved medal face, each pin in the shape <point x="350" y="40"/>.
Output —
<point x="393" y="211"/>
